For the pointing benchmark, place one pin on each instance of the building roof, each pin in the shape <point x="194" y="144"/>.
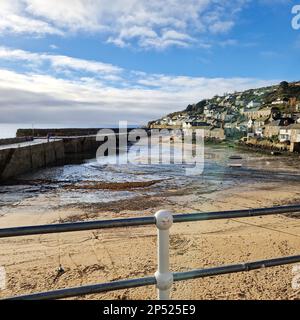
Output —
<point x="294" y="126"/>
<point x="251" y="109"/>
<point x="275" y="123"/>
<point x="262" y="119"/>
<point x="215" y="129"/>
<point x="198" y="123"/>
<point x="266" y="109"/>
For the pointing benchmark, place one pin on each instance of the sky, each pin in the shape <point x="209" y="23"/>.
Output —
<point x="91" y="63"/>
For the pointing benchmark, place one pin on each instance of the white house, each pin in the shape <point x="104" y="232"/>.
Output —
<point x="280" y="101"/>
<point x="208" y="111"/>
<point x="285" y="135"/>
<point x="193" y="124"/>
<point x="259" y="132"/>
<point x="250" y="123"/>
<point x="253" y="104"/>
<point x="186" y="125"/>
<point x="172" y="122"/>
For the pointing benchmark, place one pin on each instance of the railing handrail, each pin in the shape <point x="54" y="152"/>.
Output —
<point x="142" y="221"/>
<point x="147" y="281"/>
<point x="163" y="278"/>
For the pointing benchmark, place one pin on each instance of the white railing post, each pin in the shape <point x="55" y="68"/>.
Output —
<point x="164" y="278"/>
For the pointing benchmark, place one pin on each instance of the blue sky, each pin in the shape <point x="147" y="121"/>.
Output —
<point x="96" y="62"/>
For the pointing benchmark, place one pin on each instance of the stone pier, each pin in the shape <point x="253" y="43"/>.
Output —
<point x="66" y="146"/>
<point x="22" y="158"/>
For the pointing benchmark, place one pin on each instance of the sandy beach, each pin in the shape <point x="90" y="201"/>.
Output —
<point x="99" y="256"/>
<point x="121" y="109"/>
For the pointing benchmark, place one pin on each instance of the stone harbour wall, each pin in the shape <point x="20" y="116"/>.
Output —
<point x="16" y="161"/>
<point x="14" y="140"/>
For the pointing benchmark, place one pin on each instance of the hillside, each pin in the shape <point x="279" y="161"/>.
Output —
<point x="231" y="108"/>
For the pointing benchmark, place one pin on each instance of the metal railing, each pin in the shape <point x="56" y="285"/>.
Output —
<point x="163" y="278"/>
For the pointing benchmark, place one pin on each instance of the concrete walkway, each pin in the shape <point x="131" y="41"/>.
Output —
<point x="26" y="144"/>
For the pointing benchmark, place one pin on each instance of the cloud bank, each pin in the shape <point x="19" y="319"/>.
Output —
<point x="62" y="89"/>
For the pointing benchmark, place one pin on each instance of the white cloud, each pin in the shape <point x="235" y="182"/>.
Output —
<point x="148" y="24"/>
<point x="57" y="61"/>
<point x="12" y="20"/>
<point x="221" y="26"/>
<point x="84" y="97"/>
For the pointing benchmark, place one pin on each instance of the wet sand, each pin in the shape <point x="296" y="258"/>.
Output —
<point x="99" y="256"/>
<point x="90" y="192"/>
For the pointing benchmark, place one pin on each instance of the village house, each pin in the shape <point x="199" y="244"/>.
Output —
<point x="259" y="132"/>
<point x="210" y="132"/>
<point x="230" y="126"/>
<point x="253" y="104"/>
<point x="250" y="124"/>
<point x="195" y="125"/>
<point x="295" y="132"/>
<point x="258" y="113"/>
<point x="164" y="121"/>
<point x="285" y="135"/>
<point x="294" y="137"/>
<point x="259" y="125"/>
<point x="273" y="128"/>
<point x="248" y="113"/>
<point x="208" y="111"/>
<point x="284" y="101"/>
<point x="178" y="122"/>
<point x="215" y="133"/>
<point x="235" y="130"/>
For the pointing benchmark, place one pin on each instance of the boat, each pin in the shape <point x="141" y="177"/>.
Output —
<point x="235" y="165"/>
<point x="235" y="157"/>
